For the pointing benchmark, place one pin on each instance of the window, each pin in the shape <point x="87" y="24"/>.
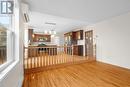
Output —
<point x="6" y="39"/>
<point x="3" y="45"/>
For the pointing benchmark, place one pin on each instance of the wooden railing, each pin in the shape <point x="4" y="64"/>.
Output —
<point x="46" y="57"/>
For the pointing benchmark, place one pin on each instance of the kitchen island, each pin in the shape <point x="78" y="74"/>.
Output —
<point x="34" y="51"/>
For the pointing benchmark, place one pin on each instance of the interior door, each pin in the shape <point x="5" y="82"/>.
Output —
<point x="89" y="43"/>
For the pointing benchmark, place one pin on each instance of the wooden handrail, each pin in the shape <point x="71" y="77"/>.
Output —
<point x="50" y="56"/>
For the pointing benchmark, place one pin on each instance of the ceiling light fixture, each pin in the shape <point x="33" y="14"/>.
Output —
<point x="51" y="32"/>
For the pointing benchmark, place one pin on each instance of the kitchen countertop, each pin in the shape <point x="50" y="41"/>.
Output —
<point x="37" y="45"/>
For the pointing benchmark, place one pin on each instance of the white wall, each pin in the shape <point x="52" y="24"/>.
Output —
<point x="113" y="41"/>
<point x="14" y="77"/>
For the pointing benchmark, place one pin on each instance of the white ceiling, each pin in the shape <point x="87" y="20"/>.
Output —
<point x="91" y="11"/>
<point x="38" y="20"/>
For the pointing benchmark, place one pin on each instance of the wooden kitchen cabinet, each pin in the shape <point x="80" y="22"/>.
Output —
<point x="41" y="38"/>
<point x="47" y="50"/>
<point x="71" y="38"/>
<point x="75" y="52"/>
<point x="30" y="35"/>
<point x="79" y="35"/>
<point x="32" y="52"/>
<point x="78" y="50"/>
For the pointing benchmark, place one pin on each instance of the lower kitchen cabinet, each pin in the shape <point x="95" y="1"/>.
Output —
<point x="78" y="50"/>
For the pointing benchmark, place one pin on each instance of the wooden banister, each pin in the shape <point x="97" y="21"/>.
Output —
<point x="50" y="56"/>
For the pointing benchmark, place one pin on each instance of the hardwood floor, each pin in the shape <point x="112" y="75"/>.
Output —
<point x="93" y="74"/>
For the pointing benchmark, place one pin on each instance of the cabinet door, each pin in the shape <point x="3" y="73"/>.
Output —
<point x="75" y="50"/>
<point x="79" y="35"/>
<point x="80" y="50"/>
<point x="30" y="35"/>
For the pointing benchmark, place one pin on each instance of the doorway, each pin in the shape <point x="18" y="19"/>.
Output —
<point x="89" y="43"/>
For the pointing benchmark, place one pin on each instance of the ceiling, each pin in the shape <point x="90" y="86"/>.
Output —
<point x="38" y="23"/>
<point x="91" y="11"/>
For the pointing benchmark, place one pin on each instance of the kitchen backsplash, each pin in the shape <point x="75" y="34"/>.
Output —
<point x="81" y="42"/>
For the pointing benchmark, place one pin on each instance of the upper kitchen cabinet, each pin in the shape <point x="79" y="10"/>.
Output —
<point x="41" y="38"/>
<point x="30" y="35"/>
<point x="79" y="35"/>
<point x="70" y="38"/>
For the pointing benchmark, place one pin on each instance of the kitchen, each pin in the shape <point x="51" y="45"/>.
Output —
<point x="72" y="38"/>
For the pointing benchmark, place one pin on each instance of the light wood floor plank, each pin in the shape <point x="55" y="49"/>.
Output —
<point x="93" y="74"/>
